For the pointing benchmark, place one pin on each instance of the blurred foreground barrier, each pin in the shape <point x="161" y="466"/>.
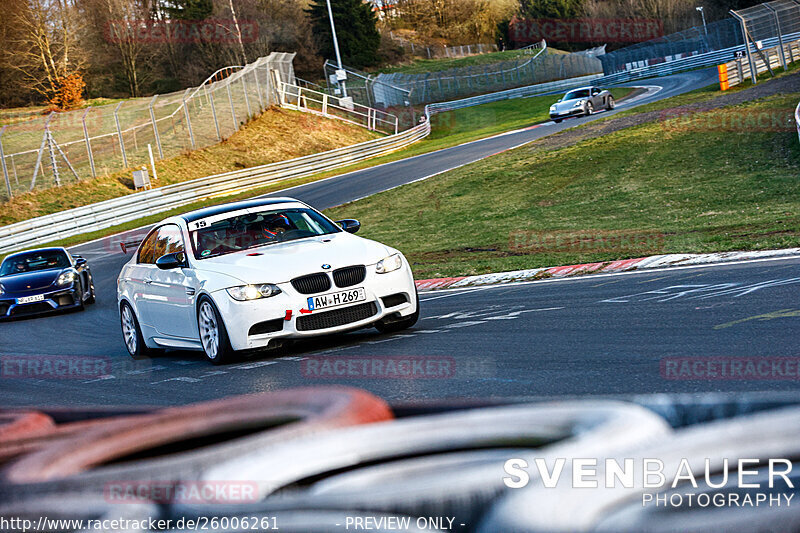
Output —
<point x="437" y="465"/>
<point x="182" y="442"/>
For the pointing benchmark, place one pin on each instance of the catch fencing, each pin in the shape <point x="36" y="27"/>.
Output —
<point x="86" y="143"/>
<point x="542" y="67"/>
<point x="138" y="205"/>
<point x="695" y="41"/>
<point x="771" y="21"/>
<point x="442" y="51"/>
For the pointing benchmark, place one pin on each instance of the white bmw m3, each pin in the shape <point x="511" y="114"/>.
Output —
<point x="248" y="274"/>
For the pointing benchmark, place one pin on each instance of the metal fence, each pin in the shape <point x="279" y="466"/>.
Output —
<point x="442" y="51"/>
<point x="134" y="206"/>
<point x="465" y="81"/>
<point x="695" y="41"/>
<point x="768" y="21"/>
<point x="735" y="72"/>
<point x="75" y="145"/>
<point x="311" y="101"/>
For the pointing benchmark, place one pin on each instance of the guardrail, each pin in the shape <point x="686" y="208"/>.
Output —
<point x="737" y="71"/>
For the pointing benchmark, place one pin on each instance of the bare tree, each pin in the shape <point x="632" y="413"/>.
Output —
<point x="47" y="44"/>
<point x="121" y="20"/>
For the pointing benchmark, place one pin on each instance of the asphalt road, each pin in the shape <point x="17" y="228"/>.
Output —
<point x="593" y="335"/>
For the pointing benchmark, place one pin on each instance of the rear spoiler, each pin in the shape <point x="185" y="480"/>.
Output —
<point x="125" y="245"/>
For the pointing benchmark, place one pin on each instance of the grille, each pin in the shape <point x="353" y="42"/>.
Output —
<point x="339" y="317"/>
<point x="394" y="299"/>
<point x="3" y="309"/>
<point x="349" y="276"/>
<point x="27" y="309"/>
<point x="270" y="326"/>
<point x="312" y="284"/>
<point x="65" y="299"/>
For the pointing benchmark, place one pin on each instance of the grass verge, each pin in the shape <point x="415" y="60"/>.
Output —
<point x="704" y="185"/>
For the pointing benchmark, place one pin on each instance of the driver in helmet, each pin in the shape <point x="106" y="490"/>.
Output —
<point x="273" y="226"/>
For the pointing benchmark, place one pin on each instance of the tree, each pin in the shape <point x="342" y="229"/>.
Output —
<point x="47" y="44"/>
<point x="355" y="27"/>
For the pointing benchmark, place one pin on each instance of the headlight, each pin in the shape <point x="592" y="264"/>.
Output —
<point x="65" y="278"/>
<point x="389" y="264"/>
<point x="253" y="292"/>
<point x="552" y="108"/>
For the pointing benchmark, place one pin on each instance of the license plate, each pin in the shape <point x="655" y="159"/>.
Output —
<point x="30" y="299"/>
<point x="336" y="298"/>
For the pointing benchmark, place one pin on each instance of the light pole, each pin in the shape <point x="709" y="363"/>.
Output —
<point x="336" y="47"/>
<point x="702" y="14"/>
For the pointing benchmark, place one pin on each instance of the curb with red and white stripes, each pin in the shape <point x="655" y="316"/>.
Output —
<point x="607" y="267"/>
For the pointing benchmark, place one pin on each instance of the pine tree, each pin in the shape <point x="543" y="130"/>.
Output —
<point x="355" y="27"/>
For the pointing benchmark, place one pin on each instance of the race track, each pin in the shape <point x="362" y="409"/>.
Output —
<point x="593" y="335"/>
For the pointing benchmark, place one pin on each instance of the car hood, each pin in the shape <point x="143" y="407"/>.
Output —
<point x="279" y="263"/>
<point x="29" y="281"/>
<point x="566" y="105"/>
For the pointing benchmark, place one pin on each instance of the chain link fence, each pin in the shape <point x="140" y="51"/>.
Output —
<point x="465" y="81"/>
<point x="398" y="90"/>
<point x="694" y="41"/>
<point x="442" y="51"/>
<point x="762" y="25"/>
<point x="81" y="144"/>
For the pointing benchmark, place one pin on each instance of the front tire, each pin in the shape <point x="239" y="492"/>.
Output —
<point x="399" y="325"/>
<point x="132" y="333"/>
<point x="557" y="120"/>
<point x="589" y="109"/>
<point x="213" y="335"/>
<point x="91" y="298"/>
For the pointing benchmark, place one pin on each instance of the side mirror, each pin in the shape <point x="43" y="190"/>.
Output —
<point x="79" y="261"/>
<point x="349" y="225"/>
<point x="171" y="261"/>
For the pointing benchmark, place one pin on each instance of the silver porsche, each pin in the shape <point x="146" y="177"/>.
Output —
<point x="581" y="102"/>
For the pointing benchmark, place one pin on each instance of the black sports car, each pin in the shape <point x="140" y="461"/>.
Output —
<point x="42" y="281"/>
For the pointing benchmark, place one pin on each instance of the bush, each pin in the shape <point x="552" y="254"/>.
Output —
<point x="69" y="92"/>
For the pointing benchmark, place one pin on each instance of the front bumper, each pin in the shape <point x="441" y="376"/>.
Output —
<point x="576" y="112"/>
<point x="257" y="323"/>
<point x="58" y="300"/>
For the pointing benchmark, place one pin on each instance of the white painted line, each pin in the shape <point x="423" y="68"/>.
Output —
<point x="465" y="289"/>
<point x="250" y="366"/>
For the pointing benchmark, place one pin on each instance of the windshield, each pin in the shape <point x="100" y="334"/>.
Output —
<point x="33" y="261"/>
<point x="579" y="93"/>
<point x="254" y="229"/>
